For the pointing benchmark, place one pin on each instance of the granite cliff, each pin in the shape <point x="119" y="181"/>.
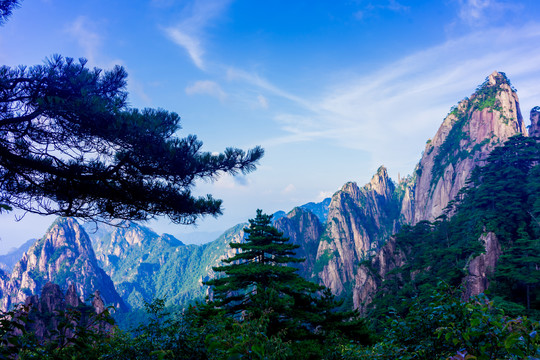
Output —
<point x="467" y="135"/>
<point x="63" y="256"/>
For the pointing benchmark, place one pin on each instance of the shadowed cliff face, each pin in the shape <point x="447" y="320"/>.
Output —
<point x="303" y="228"/>
<point x="359" y="221"/>
<point x="535" y="122"/>
<point x="63" y="256"/>
<point x="468" y="134"/>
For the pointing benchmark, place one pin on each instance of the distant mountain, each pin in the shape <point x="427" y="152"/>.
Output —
<point x="319" y="209"/>
<point x="63" y="256"/>
<point x="8" y="261"/>
<point x="144" y="265"/>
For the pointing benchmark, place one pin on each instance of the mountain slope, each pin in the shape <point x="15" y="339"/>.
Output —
<point x="8" y="261"/>
<point x="63" y="256"/>
<point x="468" y="134"/>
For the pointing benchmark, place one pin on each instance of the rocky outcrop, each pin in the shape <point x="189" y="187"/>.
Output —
<point x="468" y="134"/>
<point x="482" y="266"/>
<point x="54" y="314"/>
<point x="359" y="221"/>
<point x="534" y="130"/>
<point x="304" y="229"/>
<point x="369" y="277"/>
<point x="63" y="256"/>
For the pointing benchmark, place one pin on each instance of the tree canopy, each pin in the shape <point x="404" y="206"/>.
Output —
<point x="258" y="283"/>
<point x="6" y="9"/>
<point x="70" y="145"/>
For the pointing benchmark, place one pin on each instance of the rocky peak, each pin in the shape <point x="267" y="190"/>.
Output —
<point x="359" y="221"/>
<point x="303" y="228"/>
<point x="380" y="182"/>
<point x="47" y="314"/>
<point x="63" y="256"/>
<point x="535" y="122"/>
<point x="467" y="135"/>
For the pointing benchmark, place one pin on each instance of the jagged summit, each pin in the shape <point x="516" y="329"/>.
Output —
<point x="470" y="131"/>
<point x="534" y="129"/>
<point x="63" y="256"/>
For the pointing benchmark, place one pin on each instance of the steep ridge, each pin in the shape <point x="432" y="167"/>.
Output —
<point x="468" y="134"/>
<point x="304" y="229"/>
<point x="63" y="256"/>
<point x="8" y="261"/>
<point x="359" y="221"/>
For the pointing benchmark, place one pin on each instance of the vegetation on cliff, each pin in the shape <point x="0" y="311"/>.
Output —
<point x="502" y="198"/>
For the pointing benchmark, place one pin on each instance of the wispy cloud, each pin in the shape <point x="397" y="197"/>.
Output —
<point x="188" y="42"/>
<point x="262" y="101"/>
<point x="408" y="99"/>
<point x="189" y="32"/>
<point x="234" y="74"/>
<point x="289" y="189"/>
<point x="207" y="87"/>
<point x="479" y="12"/>
<point x="87" y="37"/>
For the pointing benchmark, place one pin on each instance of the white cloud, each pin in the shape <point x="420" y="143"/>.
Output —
<point x="262" y="101"/>
<point x="256" y="80"/>
<point x="228" y="182"/>
<point x="323" y="195"/>
<point x="88" y="39"/>
<point x="479" y="12"/>
<point x="289" y="189"/>
<point x="190" y="30"/>
<point x="207" y="87"/>
<point x="190" y="43"/>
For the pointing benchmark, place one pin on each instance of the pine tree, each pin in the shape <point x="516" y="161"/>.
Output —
<point x="70" y="145"/>
<point x="257" y="282"/>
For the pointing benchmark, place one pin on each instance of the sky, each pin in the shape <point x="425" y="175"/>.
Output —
<point x="330" y="89"/>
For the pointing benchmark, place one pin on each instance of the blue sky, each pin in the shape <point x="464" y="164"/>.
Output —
<point x="331" y="90"/>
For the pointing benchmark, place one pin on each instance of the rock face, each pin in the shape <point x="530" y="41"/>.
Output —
<point x="535" y="122"/>
<point x="63" y="256"/>
<point x="47" y="312"/>
<point x="359" y="221"/>
<point x="479" y="269"/>
<point x="367" y="281"/>
<point x="304" y="229"/>
<point x="351" y="258"/>
<point x="8" y="261"/>
<point x="468" y="134"/>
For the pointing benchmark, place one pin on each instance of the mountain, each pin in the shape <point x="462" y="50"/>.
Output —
<point x="144" y="265"/>
<point x="9" y="260"/>
<point x="63" y="256"/>
<point x="467" y="135"/>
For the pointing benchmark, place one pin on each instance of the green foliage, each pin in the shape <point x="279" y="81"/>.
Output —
<point x="501" y="197"/>
<point x="143" y="169"/>
<point x="445" y="327"/>
<point x="452" y="150"/>
<point x="79" y="333"/>
<point x="258" y="285"/>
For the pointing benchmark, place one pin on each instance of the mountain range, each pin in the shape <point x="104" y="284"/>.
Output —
<point x="347" y="240"/>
